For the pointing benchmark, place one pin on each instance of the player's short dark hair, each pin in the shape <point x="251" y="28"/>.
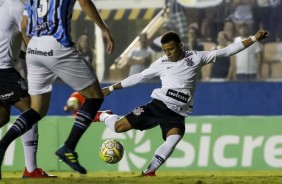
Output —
<point x="170" y="36"/>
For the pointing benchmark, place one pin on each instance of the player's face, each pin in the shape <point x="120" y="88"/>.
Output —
<point x="173" y="51"/>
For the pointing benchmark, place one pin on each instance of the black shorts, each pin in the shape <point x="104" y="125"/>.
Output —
<point x="12" y="86"/>
<point x="153" y="114"/>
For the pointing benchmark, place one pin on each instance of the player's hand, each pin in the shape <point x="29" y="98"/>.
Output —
<point x="106" y="91"/>
<point x="107" y="37"/>
<point x="261" y="34"/>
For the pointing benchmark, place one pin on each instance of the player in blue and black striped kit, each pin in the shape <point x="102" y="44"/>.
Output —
<point x="56" y="22"/>
<point x="46" y="28"/>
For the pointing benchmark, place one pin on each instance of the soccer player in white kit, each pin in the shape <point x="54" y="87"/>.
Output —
<point x="179" y="71"/>
<point x="13" y="88"/>
<point x="51" y="54"/>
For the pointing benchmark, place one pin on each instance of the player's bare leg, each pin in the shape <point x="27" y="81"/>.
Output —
<point x="40" y="103"/>
<point x="24" y="122"/>
<point x="30" y="142"/>
<point x="115" y="123"/>
<point x="5" y="114"/>
<point x="85" y="114"/>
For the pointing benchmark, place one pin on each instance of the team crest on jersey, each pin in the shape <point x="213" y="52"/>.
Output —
<point x="189" y="62"/>
<point x="138" y="111"/>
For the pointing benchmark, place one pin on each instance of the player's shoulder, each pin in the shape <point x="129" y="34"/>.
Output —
<point x="15" y="6"/>
<point x="12" y="2"/>
<point x="192" y="54"/>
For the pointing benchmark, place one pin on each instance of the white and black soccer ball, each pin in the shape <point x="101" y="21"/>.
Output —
<point x="111" y="151"/>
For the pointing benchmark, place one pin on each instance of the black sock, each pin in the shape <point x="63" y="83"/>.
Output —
<point x="84" y="118"/>
<point x="22" y="124"/>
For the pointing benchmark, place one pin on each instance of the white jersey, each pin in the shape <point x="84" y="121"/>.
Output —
<point x="11" y="12"/>
<point x="179" y="78"/>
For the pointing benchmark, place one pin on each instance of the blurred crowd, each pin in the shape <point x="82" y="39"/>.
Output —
<point x="231" y="21"/>
<point x="213" y="28"/>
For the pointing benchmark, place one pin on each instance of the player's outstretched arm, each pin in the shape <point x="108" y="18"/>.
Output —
<point x="127" y="82"/>
<point x="91" y="11"/>
<point x="238" y="47"/>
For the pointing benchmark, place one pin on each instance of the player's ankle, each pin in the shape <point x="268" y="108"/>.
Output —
<point x="103" y="116"/>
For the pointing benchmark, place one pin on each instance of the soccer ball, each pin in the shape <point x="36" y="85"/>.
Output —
<point x="73" y="103"/>
<point x="111" y="151"/>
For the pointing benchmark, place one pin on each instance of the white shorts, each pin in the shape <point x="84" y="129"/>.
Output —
<point x="47" y="59"/>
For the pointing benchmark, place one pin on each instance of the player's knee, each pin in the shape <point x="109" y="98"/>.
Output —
<point x="4" y="120"/>
<point x="121" y="127"/>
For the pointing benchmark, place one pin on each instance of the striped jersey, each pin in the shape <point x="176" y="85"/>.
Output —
<point x="50" y="18"/>
<point x="11" y="12"/>
<point x="175" y="6"/>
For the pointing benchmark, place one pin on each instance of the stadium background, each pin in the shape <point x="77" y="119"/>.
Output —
<point x="234" y="126"/>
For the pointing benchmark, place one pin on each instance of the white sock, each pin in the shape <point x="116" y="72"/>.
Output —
<point x="110" y="121"/>
<point x="30" y="141"/>
<point x="103" y="116"/>
<point x="163" y="152"/>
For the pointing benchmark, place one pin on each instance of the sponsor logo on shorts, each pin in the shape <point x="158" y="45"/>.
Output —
<point x="6" y="95"/>
<point x="39" y="52"/>
<point x="138" y="111"/>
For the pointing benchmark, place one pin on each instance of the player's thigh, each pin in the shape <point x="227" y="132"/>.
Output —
<point x="12" y="87"/>
<point x="174" y="126"/>
<point x="40" y="77"/>
<point x="41" y="82"/>
<point x="23" y="104"/>
<point x="143" y="117"/>
<point x="75" y="71"/>
<point x="5" y="110"/>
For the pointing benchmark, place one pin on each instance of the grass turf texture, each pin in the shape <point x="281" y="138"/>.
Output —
<point x="258" y="177"/>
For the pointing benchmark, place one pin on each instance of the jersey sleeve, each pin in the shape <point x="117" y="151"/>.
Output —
<point x="152" y="71"/>
<point x="207" y="56"/>
<point x="17" y="13"/>
<point x="210" y="56"/>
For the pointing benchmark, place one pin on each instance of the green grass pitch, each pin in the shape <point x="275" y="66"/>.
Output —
<point x="173" y="177"/>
